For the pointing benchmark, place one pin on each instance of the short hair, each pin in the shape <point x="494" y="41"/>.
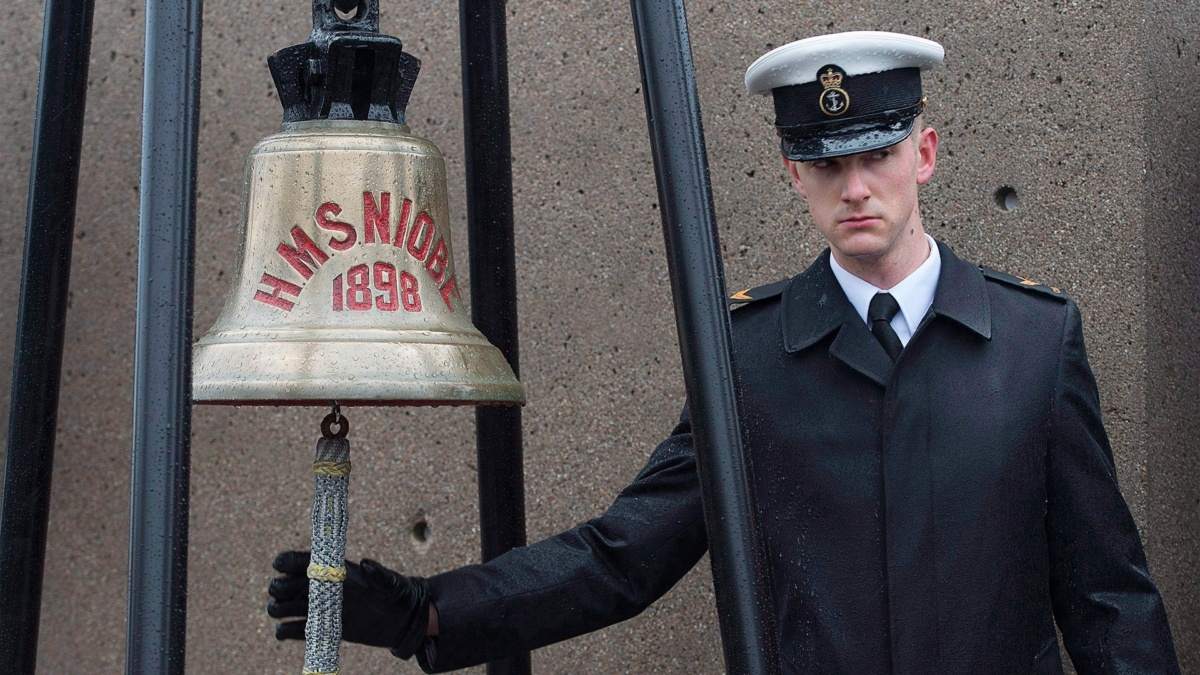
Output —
<point x="918" y="125"/>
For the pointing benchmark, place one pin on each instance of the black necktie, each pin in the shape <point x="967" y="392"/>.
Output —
<point x="880" y="312"/>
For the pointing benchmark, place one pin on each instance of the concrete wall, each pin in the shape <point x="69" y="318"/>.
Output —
<point x="1085" y="109"/>
<point x="1171" y="211"/>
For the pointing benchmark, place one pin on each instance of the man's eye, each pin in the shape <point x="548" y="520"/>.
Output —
<point x="822" y="164"/>
<point x="882" y="154"/>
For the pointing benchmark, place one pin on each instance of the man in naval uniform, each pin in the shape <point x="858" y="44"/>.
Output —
<point x="935" y="485"/>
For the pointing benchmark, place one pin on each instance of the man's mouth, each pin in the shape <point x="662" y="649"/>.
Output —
<point x="858" y="221"/>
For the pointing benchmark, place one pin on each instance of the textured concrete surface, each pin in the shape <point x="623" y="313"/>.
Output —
<point x="1079" y="107"/>
<point x="1172" y="286"/>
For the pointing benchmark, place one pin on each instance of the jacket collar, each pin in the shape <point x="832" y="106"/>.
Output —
<point x="813" y="306"/>
<point x="962" y="294"/>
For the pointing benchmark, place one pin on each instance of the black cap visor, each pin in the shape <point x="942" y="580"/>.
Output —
<point x="841" y="139"/>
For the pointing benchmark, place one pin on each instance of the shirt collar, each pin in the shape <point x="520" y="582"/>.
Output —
<point x="914" y="293"/>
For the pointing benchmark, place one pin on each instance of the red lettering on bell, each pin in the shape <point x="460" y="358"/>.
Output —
<point x="278" y="287"/>
<point x="376" y="218"/>
<point x="358" y="293"/>
<point x="410" y="298"/>
<point x="385" y="280"/>
<point x="306" y="257"/>
<point x="322" y="217"/>
<point x="422" y="229"/>
<point x="451" y="288"/>
<point x="402" y="222"/>
<point x="437" y="261"/>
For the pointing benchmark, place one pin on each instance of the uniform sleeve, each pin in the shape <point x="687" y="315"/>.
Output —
<point x="603" y="571"/>
<point x="1107" y="607"/>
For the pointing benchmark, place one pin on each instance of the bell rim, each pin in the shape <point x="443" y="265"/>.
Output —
<point x="314" y="393"/>
<point x="382" y="372"/>
<point x="362" y="403"/>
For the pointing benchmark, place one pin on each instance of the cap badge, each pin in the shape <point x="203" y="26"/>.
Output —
<point x="834" y="101"/>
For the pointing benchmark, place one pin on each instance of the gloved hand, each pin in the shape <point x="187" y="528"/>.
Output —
<point x="379" y="606"/>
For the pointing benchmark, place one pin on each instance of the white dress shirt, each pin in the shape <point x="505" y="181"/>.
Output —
<point x="914" y="293"/>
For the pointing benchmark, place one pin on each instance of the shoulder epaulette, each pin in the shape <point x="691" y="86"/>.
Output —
<point x="749" y="295"/>
<point x="1022" y="283"/>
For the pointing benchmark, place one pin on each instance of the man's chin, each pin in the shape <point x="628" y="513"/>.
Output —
<point x="862" y="245"/>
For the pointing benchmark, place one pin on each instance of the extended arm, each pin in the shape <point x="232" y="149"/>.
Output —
<point x="598" y="573"/>
<point x="1110" y="613"/>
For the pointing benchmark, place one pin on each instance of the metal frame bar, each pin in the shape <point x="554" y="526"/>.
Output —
<point x="158" y="522"/>
<point x="744" y="602"/>
<point x="482" y="26"/>
<point x="41" y="324"/>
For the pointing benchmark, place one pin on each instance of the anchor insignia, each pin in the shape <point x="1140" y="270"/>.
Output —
<point x="833" y="101"/>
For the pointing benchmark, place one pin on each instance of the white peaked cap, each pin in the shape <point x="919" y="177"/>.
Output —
<point x="857" y="53"/>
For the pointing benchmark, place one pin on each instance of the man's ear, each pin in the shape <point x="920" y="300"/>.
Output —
<point x="927" y="146"/>
<point x="793" y="170"/>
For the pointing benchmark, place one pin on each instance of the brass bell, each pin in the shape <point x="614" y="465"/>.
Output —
<point x="347" y="288"/>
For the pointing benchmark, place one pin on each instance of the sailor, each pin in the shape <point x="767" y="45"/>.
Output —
<point x="935" y="485"/>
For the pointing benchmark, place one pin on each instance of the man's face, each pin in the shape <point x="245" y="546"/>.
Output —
<point x="863" y="203"/>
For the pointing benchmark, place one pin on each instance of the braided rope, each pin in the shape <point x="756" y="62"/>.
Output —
<point x="326" y="571"/>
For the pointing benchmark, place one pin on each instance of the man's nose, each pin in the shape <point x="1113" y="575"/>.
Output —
<point x="855" y="189"/>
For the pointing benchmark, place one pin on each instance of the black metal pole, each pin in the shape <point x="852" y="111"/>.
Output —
<point x="41" y="323"/>
<point x="484" y="45"/>
<point x="162" y="416"/>
<point x="698" y="286"/>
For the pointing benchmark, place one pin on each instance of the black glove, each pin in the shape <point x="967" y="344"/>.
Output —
<point x="379" y="606"/>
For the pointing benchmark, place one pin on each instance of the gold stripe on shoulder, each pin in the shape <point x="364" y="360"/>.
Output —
<point x="1023" y="283"/>
<point x="741" y="296"/>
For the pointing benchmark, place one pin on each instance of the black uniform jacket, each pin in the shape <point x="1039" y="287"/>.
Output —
<point x="938" y="515"/>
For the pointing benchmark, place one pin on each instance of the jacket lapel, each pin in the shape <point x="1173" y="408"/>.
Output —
<point x="962" y="294"/>
<point x="814" y="306"/>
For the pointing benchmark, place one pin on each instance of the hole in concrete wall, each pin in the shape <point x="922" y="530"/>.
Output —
<point x="1007" y="199"/>
<point x="421" y="532"/>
